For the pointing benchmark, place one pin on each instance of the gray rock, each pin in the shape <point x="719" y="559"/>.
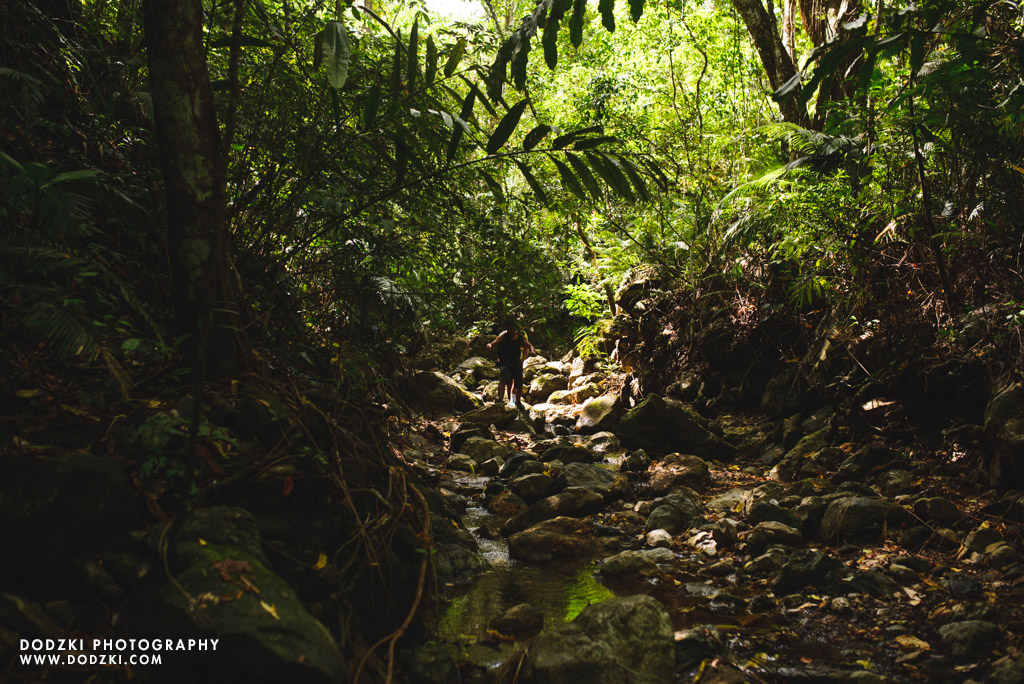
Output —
<point x="574" y="501"/>
<point x="599" y="413"/>
<point x="464" y="432"/>
<point x="628" y="563"/>
<point x="702" y="642"/>
<point x="1009" y="672"/>
<point x="981" y="538"/>
<point x="635" y="462"/>
<point x="728" y="502"/>
<point x="725" y="533"/>
<point x="267" y="636"/>
<point x="779" y="534"/>
<point x="680" y="469"/>
<point x="520" y="618"/>
<point x="479" y="368"/>
<point x="859" y="517"/>
<point x="436" y="392"/>
<point x="659" y="538"/>
<point x="807" y="568"/>
<point x="962" y="585"/>
<point x="532" y="487"/>
<point x="461" y="462"/>
<point x="480" y="449"/>
<point x="555" y="539"/>
<point x="765" y="563"/>
<point x="937" y="508"/>
<point x="544" y="384"/>
<point x="858" y="464"/>
<point x="606" y="483"/>
<point x="969" y="639"/>
<point x="764" y="511"/>
<point x="667" y="518"/>
<point x="602" y="442"/>
<point x="661" y="426"/>
<point x="619" y="641"/>
<point x="506" y="504"/>
<point x="496" y="413"/>
<point x="1003" y="555"/>
<point x="568" y="453"/>
<point x="868" y="582"/>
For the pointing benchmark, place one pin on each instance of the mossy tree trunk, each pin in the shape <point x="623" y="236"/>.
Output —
<point x="194" y="172"/>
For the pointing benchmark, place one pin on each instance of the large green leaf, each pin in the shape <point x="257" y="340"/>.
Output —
<point x="607" y="10"/>
<point x="531" y="180"/>
<point x="535" y="136"/>
<point x="579" y="11"/>
<point x="550" y="41"/>
<point x="459" y="130"/>
<point x="636" y="9"/>
<point x="569" y="138"/>
<point x="455" y="57"/>
<point x="414" y="56"/>
<point x="371" y="106"/>
<point x="569" y="180"/>
<point x="430" y="69"/>
<point x="607" y="168"/>
<point x="585" y="175"/>
<point x="506" y="127"/>
<point x="519" y="60"/>
<point x="336" y="53"/>
<point x="494" y="186"/>
<point x="642" y="191"/>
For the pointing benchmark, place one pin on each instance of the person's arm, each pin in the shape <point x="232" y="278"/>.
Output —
<point x="528" y="349"/>
<point x="497" y="339"/>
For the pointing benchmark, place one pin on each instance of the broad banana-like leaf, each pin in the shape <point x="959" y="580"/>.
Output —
<point x="636" y="9"/>
<point x="371" y="106"/>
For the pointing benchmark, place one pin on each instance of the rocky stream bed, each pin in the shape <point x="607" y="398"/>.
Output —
<point x="621" y="541"/>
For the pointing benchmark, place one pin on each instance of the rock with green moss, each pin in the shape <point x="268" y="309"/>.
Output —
<point x="661" y="426"/>
<point x="228" y="593"/>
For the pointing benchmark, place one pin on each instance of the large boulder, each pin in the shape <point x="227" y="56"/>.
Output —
<point x="569" y="453"/>
<point x="479" y="368"/>
<point x="859" y="517"/>
<point x="572" y="502"/>
<point x="609" y="485"/>
<point x="228" y="593"/>
<point x="619" y="641"/>
<point x="482" y="450"/>
<point x="661" y="426"/>
<point x="497" y="414"/>
<point x="680" y="470"/>
<point x="1004" y="423"/>
<point x="52" y="508"/>
<point x="436" y="392"/>
<point x="599" y="414"/>
<point x="544" y="384"/>
<point x="556" y="539"/>
<point x="577" y="395"/>
<point x="807" y="568"/>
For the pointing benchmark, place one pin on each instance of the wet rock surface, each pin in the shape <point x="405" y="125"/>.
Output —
<point x="826" y="562"/>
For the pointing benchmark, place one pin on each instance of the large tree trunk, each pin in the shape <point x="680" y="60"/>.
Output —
<point x="205" y="301"/>
<point x="778" y="64"/>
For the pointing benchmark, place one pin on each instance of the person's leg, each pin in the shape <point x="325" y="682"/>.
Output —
<point x="517" y="382"/>
<point x="504" y="379"/>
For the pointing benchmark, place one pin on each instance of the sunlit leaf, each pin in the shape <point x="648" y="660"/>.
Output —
<point x="453" y="59"/>
<point x="336" y="53"/>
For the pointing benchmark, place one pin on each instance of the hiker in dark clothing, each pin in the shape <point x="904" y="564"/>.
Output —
<point x="513" y="347"/>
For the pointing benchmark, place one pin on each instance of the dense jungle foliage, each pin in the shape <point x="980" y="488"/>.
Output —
<point x="316" y="196"/>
